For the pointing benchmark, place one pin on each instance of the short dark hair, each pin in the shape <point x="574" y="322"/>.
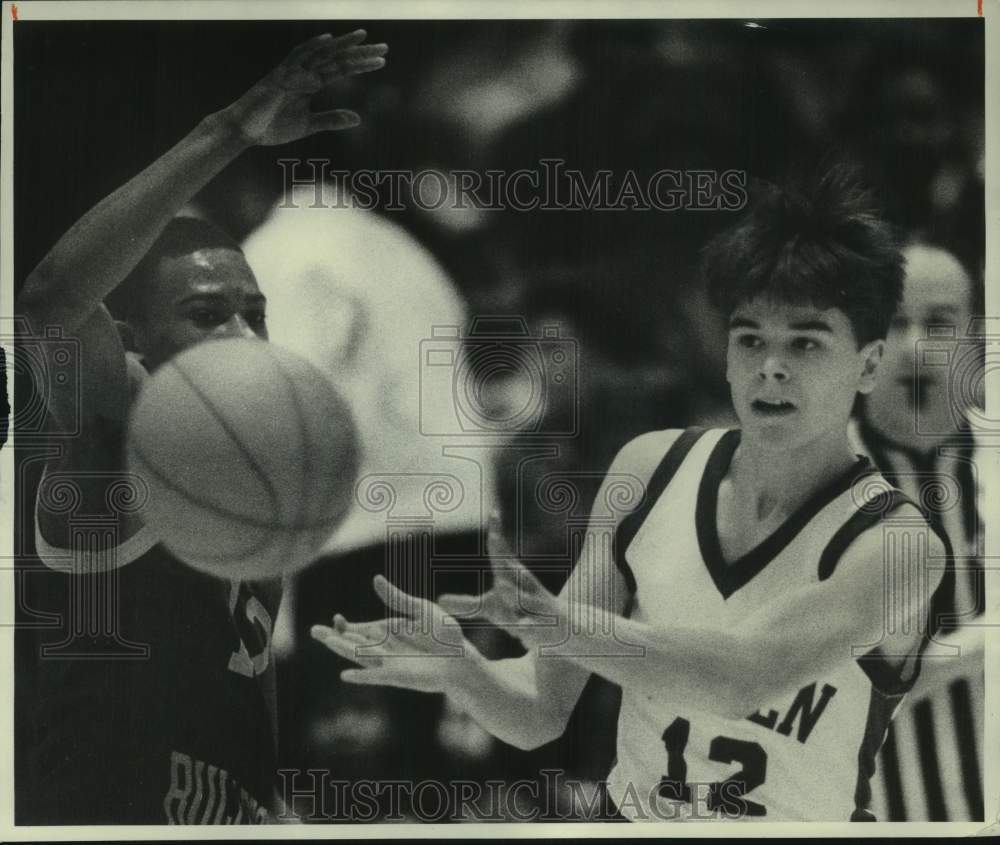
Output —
<point x="821" y="242"/>
<point x="181" y="236"/>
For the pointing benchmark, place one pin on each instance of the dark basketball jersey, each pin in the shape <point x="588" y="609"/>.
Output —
<point x="155" y="697"/>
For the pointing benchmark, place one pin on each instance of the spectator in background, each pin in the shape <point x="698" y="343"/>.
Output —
<point x="918" y="426"/>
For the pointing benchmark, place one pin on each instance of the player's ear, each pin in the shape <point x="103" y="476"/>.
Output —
<point x="871" y="355"/>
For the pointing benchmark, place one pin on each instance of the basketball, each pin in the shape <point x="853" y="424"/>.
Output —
<point x="249" y="456"/>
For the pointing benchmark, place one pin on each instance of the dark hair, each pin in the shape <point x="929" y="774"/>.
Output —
<point x="824" y="244"/>
<point x="181" y="236"/>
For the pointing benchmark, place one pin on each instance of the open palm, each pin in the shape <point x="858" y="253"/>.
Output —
<point x="277" y="109"/>
<point x="424" y="649"/>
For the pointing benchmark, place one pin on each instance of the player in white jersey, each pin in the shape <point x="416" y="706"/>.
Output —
<point x="765" y="605"/>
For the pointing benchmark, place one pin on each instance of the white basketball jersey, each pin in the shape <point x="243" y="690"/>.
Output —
<point x="805" y="756"/>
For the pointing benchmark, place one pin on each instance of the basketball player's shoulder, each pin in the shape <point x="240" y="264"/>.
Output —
<point x="866" y="554"/>
<point x="137" y="375"/>
<point x="641" y="455"/>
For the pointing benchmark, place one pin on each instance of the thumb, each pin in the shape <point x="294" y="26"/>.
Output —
<point x="496" y="542"/>
<point x="334" y="120"/>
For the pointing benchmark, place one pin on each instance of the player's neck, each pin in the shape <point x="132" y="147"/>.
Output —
<point x="780" y="484"/>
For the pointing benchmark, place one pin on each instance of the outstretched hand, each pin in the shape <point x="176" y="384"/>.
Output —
<point x="517" y="602"/>
<point x="277" y="109"/>
<point x="424" y="649"/>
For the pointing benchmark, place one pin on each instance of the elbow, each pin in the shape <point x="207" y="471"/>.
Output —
<point x="29" y="303"/>
<point x="34" y="303"/>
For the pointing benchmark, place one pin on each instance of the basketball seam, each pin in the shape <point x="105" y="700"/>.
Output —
<point x="263" y="546"/>
<point x="217" y="510"/>
<point x="248" y="456"/>
<point x="304" y="440"/>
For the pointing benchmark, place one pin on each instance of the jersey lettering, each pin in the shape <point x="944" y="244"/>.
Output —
<point x="199" y="794"/>
<point x="253" y="626"/>
<point x="728" y="796"/>
<point x="803" y="704"/>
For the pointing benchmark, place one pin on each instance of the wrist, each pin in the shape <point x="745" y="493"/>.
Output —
<point x="468" y="674"/>
<point x="226" y="131"/>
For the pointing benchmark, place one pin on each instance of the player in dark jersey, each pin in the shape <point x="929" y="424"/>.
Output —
<point x="155" y="703"/>
<point x="764" y="607"/>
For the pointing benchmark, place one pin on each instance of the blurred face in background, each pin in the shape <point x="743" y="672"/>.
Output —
<point x="794" y="372"/>
<point x="915" y="108"/>
<point x="919" y="398"/>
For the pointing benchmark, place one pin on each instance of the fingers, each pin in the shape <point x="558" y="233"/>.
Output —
<point x="365" y="676"/>
<point x="346" y="60"/>
<point x="505" y="565"/>
<point x="345" y="645"/>
<point x="375" y="630"/>
<point x="461" y="605"/>
<point x="345" y="49"/>
<point x="496" y="543"/>
<point x="387" y="678"/>
<point x="349" y="39"/>
<point x="304" y="50"/>
<point x="327" y="121"/>
<point x="501" y="556"/>
<point x="507" y="569"/>
<point x="362" y="52"/>
<point x="396" y="599"/>
<point x="339" y="68"/>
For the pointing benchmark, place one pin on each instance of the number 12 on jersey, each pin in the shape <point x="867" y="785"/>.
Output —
<point x="728" y="795"/>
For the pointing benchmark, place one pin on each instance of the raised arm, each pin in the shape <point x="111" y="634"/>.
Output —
<point x="100" y="250"/>
<point x="65" y="292"/>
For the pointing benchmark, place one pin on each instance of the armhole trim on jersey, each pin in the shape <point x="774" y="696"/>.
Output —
<point x="870" y="514"/>
<point x="83" y="562"/>
<point x="886" y="678"/>
<point x="661" y="477"/>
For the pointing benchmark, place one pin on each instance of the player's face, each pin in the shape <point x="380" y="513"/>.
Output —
<point x="205" y="295"/>
<point x="794" y="371"/>
<point x="936" y="292"/>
